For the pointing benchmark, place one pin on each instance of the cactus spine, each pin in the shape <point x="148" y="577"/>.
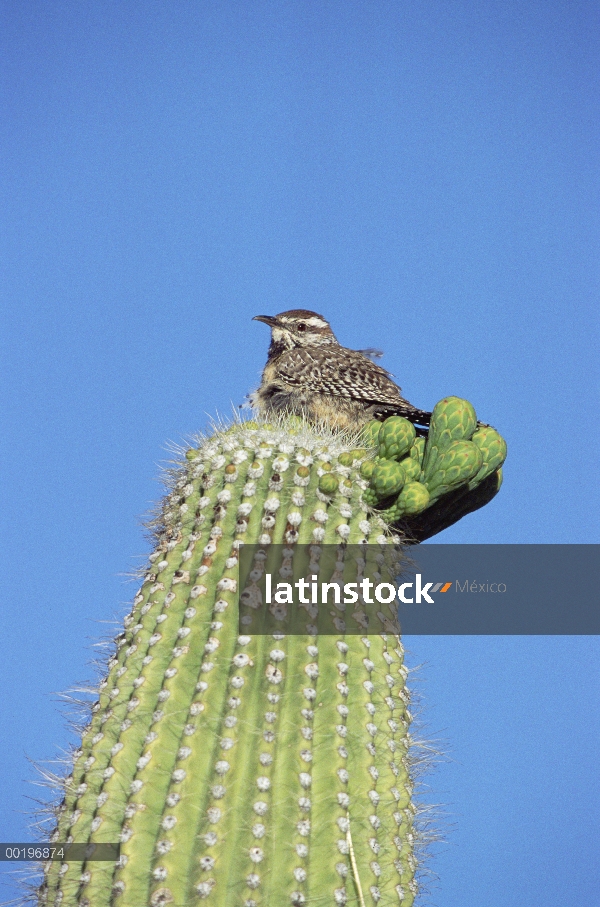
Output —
<point x="238" y="769"/>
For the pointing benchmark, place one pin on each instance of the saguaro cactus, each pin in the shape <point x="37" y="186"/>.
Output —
<point x="244" y="769"/>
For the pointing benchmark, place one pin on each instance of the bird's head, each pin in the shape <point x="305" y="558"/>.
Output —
<point x="298" y="327"/>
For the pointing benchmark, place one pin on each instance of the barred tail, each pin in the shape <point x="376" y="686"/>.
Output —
<point x="417" y="416"/>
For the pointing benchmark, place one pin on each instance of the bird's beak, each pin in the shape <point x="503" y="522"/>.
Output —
<point x="266" y="319"/>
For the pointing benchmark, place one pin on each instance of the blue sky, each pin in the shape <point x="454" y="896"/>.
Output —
<point x="423" y="174"/>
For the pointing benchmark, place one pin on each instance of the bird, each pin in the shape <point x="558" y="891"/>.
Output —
<point x="309" y="373"/>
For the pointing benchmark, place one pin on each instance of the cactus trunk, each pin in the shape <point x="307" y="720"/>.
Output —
<point x="234" y="768"/>
<point x="241" y="768"/>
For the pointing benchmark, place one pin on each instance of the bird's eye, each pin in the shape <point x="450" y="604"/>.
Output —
<point x="301" y="327"/>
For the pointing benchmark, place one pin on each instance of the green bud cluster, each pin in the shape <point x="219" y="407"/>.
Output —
<point x="410" y="475"/>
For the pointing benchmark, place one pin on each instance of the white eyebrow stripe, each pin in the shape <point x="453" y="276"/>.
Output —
<point x="315" y="322"/>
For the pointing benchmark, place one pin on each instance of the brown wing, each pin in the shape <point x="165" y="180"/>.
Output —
<point x="338" y="371"/>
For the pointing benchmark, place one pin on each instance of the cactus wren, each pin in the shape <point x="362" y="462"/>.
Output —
<point x="308" y="373"/>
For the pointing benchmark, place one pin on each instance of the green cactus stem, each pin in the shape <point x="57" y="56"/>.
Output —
<point x="243" y="768"/>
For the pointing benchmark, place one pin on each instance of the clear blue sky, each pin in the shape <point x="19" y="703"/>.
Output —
<point x="425" y="175"/>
